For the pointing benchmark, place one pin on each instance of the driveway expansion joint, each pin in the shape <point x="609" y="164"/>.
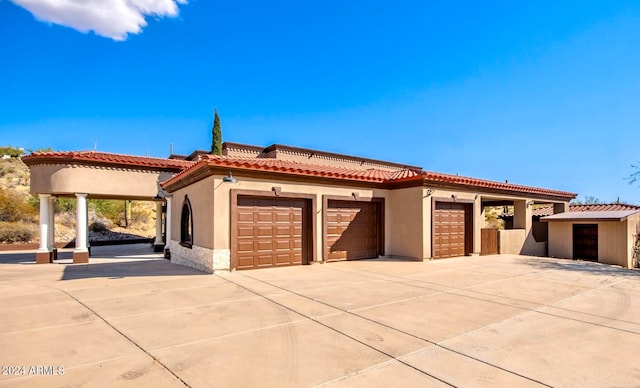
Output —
<point x="129" y="339"/>
<point x="392" y="357"/>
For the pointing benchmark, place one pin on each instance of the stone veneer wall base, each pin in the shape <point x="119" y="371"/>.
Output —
<point x="203" y="259"/>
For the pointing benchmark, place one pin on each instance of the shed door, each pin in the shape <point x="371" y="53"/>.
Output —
<point x="270" y="232"/>
<point x="449" y="230"/>
<point x="351" y="230"/>
<point x="585" y="242"/>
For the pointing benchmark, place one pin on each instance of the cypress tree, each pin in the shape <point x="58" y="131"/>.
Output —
<point x="216" y="142"/>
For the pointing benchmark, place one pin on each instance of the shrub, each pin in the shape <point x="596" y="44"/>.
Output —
<point x="34" y="203"/>
<point x="14" y="232"/>
<point x="64" y="205"/>
<point x="67" y="219"/>
<point x="44" y="149"/>
<point x="14" y="207"/>
<point x="141" y="214"/>
<point x="98" y="226"/>
<point x="11" y="151"/>
<point x="110" y="209"/>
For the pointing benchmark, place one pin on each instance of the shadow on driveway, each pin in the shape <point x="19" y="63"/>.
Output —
<point x="580" y="266"/>
<point x="119" y="261"/>
<point x="19" y="258"/>
<point x="124" y="269"/>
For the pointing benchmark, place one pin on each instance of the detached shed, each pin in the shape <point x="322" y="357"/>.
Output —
<point x="604" y="236"/>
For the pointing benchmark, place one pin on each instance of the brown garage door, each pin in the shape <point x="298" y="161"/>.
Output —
<point x="270" y="232"/>
<point x="449" y="230"/>
<point x="352" y="230"/>
<point x="585" y="242"/>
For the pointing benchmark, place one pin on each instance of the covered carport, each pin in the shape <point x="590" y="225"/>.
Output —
<point x="89" y="174"/>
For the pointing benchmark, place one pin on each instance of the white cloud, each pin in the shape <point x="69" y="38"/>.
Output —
<point x="109" y="18"/>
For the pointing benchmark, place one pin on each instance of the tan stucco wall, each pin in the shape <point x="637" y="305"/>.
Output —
<point x="405" y="216"/>
<point x="241" y="152"/>
<point x="612" y="243"/>
<point x="98" y="182"/>
<point x="201" y="196"/>
<point x="511" y="241"/>
<point x="561" y="239"/>
<point x="426" y="224"/>
<point x="222" y="209"/>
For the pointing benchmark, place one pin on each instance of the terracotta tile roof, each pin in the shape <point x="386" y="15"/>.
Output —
<point x="106" y="159"/>
<point x="285" y="167"/>
<point x="603" y="207"/>
<point x="467" y="181"/>
<point x="404" y="174"/>
<point x="372" y="175"/>
<point x="543" y="211"/>
<point x="590" y="215"/>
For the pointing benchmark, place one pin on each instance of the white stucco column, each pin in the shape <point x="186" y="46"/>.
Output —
<point x="167" y="247"/>
<point x="43" y="254"/>
<point x="158" y="244"/>
<point x="81" y="253"/>
<point x="45" y="219"/>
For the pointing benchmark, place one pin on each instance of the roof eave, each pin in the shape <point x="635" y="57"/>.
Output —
<point x="607" y="219"/>
<point x="202" y="172"/>
<point x="555" y="196"/>
<point x="34" y="159"/>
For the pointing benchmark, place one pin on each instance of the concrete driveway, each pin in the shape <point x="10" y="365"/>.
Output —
<point x="130" y="318"/>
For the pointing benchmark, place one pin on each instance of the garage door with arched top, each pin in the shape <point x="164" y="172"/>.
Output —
<point x="270" y="232"/>
<point x="352" y="230"/>
<point x="449" y="230"/>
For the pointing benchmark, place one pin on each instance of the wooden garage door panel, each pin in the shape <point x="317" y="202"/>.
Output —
<point x="245" y="230"/>
<point x="264" y="245"/>
<point x="449" y="230"/>
<point x="351" y="230"/>
<point x="269" y="232"/>
<point x="245" y="216"/>
<point x="245" y="261"/>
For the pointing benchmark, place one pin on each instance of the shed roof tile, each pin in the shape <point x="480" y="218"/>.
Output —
<point x="588" y="215"/>
<point x="543" y="211"/>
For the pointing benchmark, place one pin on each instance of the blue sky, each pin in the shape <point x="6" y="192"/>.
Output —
<point x="541" y="93"/>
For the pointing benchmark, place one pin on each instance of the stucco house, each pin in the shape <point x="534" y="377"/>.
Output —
<point x="256" y="207"/>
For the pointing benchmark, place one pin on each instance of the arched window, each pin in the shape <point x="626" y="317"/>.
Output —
<point x="186" y="224"/>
